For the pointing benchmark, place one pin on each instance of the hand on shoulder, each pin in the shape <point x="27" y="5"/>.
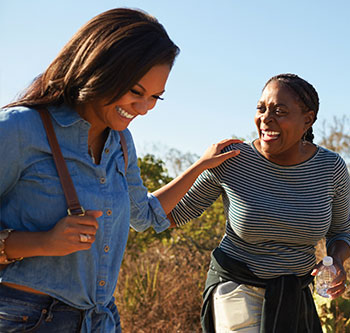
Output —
<point x="214" y="156"/>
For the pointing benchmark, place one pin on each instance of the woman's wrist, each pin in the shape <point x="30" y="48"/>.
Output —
<point x="339" y="251"/>
<point x="23" y="244"/>
<point x="4" y="259"/>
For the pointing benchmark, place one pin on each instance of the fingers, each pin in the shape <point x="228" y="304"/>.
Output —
<point x="213" y="156"/>
<point x="340" y="278"/>
<point x="86" y="230"/>
<point x="338" y="285"/>
<point x="86" y="227"/>
<point x="94" y="213"/>
<point x="227" y="142"/>
<point x="336" y="290"/>
<point x="316" y="269"/>
<point x="89" y="218"/>
<point x="224" y="143"/>
<point x="229" y="154"/>
<point x="86" y="238"/>
<point x="220" y="158"/>
<point x="73" y="233"/>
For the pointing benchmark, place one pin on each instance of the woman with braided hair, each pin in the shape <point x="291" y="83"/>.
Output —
<point x="281" y="195"/>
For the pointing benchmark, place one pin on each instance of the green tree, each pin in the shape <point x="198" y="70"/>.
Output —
<point x="154" y="174"/>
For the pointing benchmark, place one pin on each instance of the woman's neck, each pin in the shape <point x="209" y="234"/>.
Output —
<point x="96" y="143"/>
<point x="98" y="131"/>
<point x="297" y="154"/>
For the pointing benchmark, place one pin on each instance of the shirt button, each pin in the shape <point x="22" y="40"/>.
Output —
<point x="102" y="180"/>
<point x="109" y="212"/>
<point x="102" y="283"/>
<point x="107" y="150"/>
<point x="106" y="248"/>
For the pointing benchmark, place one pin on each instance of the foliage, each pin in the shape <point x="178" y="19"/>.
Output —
<point x="154" y="174"/>
<point x="334" y="314"/>
<point x="203" y="233"/>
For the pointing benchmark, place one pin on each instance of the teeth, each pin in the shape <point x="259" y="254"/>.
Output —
<point x="271" y="133"/>
<point x="123" y="113"/>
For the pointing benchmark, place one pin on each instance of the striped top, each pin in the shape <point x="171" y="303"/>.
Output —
<point x="275" y="215"/>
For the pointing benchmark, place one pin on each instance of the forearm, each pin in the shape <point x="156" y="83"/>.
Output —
<point x="172" y="222"/>
<point x="339" y="250"/>
<point x="170" y="194"/>
<point x="64" y="238"/>
<point x="26" y="244"/>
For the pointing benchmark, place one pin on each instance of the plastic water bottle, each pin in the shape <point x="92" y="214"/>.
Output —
<point x="325" y="276"/>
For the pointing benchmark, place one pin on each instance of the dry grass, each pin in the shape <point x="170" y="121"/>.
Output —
<point x="161" y="290"/>
<point x="175" y="304"/>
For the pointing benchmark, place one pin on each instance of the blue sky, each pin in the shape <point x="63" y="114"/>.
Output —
<point x="229" y="48"/>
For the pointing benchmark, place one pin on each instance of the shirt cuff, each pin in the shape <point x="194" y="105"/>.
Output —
<point x="160" y="222"/>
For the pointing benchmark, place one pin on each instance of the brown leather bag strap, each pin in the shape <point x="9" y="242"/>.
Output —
<point x="124" y="149"/>
<point x="74" y="207"/>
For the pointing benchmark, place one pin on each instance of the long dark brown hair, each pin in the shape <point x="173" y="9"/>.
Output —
<point x="104" y="59"/>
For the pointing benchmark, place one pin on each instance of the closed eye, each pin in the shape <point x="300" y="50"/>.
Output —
<point x="280" y="112"/>
<point x="158" y="98"/>
<point x="135" y="92"/>
<point x="139" y="93"/>
<point x="261" y="108"/>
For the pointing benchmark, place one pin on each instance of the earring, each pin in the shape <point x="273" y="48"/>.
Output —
<point x="303" y="139"/>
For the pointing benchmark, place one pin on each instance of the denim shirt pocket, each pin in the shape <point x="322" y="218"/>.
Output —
<point x="120" y="174"/>
<point x="120" y="166"/>
<point x="44" y="173"/>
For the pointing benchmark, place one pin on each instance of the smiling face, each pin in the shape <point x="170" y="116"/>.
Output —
<point x="281" y="122"/>
<point x="141" y="98"/>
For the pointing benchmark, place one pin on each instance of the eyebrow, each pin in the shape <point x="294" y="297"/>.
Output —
<point x="276" y="105"/>
<point x="143" y="88"/>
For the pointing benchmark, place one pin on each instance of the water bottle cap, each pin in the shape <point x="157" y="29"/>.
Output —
<point x="327" y="261"/>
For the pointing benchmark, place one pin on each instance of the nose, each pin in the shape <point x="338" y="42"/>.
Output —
<point x="266" y="117"/>
<point x="142" y="107"/>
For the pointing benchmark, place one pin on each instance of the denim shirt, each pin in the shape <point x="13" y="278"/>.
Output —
<point x="32" y="199"/>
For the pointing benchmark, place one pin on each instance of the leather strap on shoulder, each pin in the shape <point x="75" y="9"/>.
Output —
<point x="124" y="149"/>
<point x="74" y="207"/>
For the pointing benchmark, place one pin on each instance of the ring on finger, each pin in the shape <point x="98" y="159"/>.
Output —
<point x="84" y="238"/>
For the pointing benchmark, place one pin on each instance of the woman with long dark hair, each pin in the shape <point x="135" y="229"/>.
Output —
<point x="58" y="270"/>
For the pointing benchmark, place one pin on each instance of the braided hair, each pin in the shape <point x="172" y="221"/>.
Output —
<point x="306" y="93"/>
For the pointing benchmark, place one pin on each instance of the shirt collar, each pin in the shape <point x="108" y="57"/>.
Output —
<point x="65" y="116"/>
